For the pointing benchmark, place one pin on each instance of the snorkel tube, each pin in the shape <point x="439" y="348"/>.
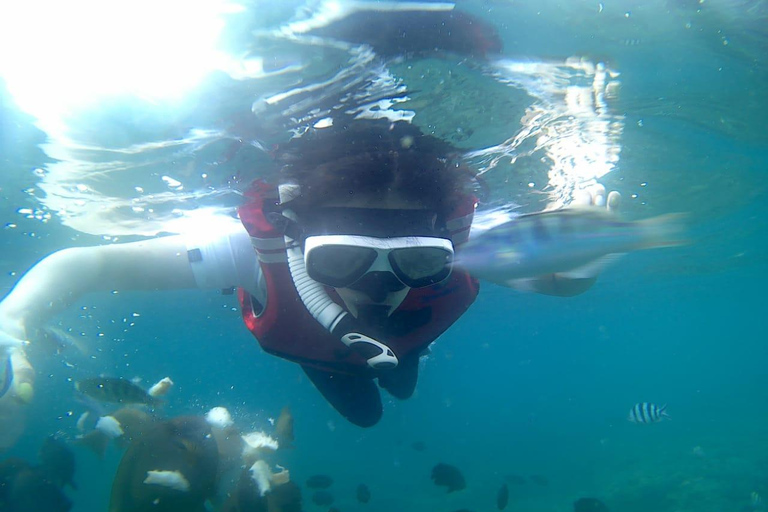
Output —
<point x="330" y="315"/>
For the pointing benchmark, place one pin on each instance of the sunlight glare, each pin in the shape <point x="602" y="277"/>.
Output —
<point x="58" y="56"/>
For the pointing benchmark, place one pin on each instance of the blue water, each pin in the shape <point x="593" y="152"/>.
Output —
<point x="521" y="384"/>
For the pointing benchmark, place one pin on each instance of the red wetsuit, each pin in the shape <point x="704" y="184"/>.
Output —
<point x="285" y="328"/>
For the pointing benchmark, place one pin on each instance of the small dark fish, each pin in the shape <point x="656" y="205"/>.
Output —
<point x="322" y="498"/>
<point x="589" y="505"/>
<point x="445" y="475"/>
<point x="645" y="412"/>
<point x="363" y="493"/>
<point x="515" y="479"/>
<point x="284" y="498"/>
<point x="7" y="376"/>
<point x="419" y="446"/>
<point x="502" y="497"/>
<point x="246" y="497"/>
<point x="106" y="389"/>
<point x="24" y="489"/>
<point x="540" y="480"/>
<point x="319" y="482"/>
<point x="58" y="462"/>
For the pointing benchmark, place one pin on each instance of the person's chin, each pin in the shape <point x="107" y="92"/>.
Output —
<point x="357" y="301"/>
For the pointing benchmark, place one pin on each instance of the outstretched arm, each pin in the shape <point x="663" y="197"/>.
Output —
<point x="64" y="276"/>
<point x="60" y="279"/>
<point x="222" y="260"/>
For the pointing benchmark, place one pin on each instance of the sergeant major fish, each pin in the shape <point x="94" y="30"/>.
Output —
<point x="646" y="412"/>
<point x="106" y="389"/>
<point x="573" y="242"/>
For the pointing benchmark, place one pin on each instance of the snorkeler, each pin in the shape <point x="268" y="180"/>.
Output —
<point x="344" y="267"/>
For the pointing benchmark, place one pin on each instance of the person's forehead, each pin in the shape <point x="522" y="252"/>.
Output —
<point x="381" y="222"/>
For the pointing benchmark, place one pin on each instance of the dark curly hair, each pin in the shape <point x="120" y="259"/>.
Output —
<point x="374" y="157"/>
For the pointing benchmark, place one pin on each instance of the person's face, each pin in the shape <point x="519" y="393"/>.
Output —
<point x="378" y="289"/>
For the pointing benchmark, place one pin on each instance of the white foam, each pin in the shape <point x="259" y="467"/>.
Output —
<point x="259" y="440"/>
<point x="261" y="475"/>
<point x="109" y="426"/>
<point x="219" y="417"/>
<point x="161" y="387"/>
<point x="257" y="443"/>
<point x="265" y="478"/>
<point x="170" y="479"/>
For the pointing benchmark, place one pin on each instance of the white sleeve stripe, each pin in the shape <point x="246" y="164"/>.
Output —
<point x="267" y="244"/>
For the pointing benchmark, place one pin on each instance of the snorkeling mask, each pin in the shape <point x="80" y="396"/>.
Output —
<point x="342" y="247"/>
<point x="342" y="260"/>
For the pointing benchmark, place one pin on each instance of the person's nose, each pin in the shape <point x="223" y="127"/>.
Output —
<point x="377" y="285"/>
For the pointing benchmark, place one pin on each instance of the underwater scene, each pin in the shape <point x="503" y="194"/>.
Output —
<point x="492" y="255"/>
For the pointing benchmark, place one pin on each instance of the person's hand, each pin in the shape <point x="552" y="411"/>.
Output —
<point x="11" y="346"/>
<point x="13" y="405"/>
<point x="596" y="196"/>
<point x="13" y="332"/>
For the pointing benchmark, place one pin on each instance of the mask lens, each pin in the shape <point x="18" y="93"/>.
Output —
<point x="339" y="265"/>
<point x="421" y="266"/>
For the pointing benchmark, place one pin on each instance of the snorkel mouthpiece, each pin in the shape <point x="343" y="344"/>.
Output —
<point x="330" y="315"/>
<point x="377" y="354"/>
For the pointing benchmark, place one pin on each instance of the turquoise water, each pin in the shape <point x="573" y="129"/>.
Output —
<point x="522" y="384"/>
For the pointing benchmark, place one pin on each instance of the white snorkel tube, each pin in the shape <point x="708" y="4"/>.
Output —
<point x="330" y="315"/>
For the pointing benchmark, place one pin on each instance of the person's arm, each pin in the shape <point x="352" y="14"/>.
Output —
<point x="61" y="278"/>
<point x="221" y="260"/>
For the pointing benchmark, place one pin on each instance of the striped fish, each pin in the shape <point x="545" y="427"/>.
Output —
<point x="106" y="389"/>
<point x="573" y="242"/>
<point x="646" y="412"/>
